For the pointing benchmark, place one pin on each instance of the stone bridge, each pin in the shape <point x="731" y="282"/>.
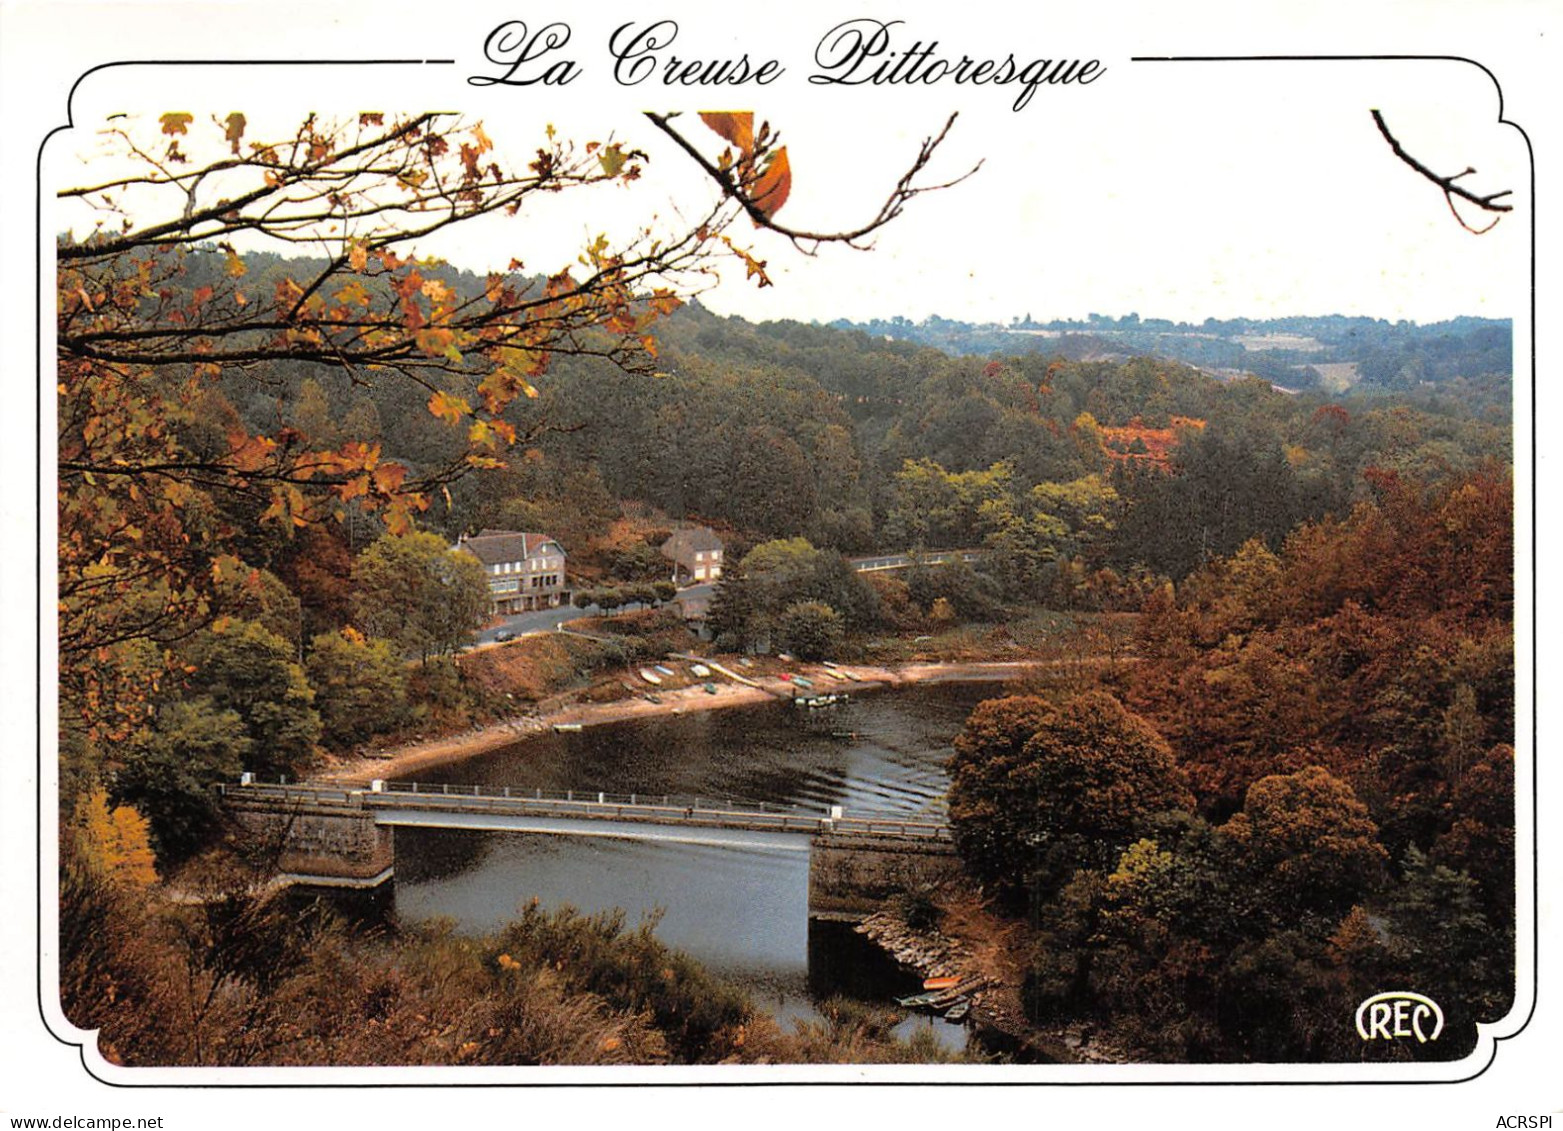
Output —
<point x="340" y="837"/>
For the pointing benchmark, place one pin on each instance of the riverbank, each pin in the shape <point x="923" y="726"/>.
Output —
<point x="766" y="682"/>
<point x="973" y="944"/>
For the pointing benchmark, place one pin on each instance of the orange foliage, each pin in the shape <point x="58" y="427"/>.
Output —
<point x="1157" y="442"/>
<point x="115" y="840"/>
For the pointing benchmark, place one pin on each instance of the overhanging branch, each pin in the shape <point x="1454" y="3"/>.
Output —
<point x="1451" y="190"/>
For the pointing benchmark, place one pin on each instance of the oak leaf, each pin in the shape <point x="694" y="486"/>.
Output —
<point x="233" y="132"/>
<point x="735" y="127"/>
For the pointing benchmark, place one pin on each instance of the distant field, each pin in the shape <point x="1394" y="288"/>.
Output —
<point x="1256" y="342"/>
<point x="1337" y="376"/>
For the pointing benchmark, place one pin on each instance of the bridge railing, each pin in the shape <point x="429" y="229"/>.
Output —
<point x="592" y="796"/>
<point x="593" y="805"/>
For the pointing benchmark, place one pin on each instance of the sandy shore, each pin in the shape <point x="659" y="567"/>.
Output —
<point x="403" y="761"/>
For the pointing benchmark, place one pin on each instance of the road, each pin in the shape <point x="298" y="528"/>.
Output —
<point x="547" y="620"/>
<point x="878" y="562"/>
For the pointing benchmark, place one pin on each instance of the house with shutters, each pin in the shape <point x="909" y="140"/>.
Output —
<point x="525" y="571"/>
<point x="696" y="553"/>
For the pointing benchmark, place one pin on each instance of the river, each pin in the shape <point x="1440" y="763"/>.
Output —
<point x="741" y="913"/>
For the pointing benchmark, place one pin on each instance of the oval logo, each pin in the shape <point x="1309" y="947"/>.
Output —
<point x="1399" y="1013"/>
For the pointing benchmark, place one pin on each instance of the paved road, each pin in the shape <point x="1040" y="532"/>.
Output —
<point x="547" y="620"/>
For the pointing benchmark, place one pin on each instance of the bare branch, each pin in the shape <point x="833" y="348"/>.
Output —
<point x="738" y="188"/>
<point x="1447" y="184"/>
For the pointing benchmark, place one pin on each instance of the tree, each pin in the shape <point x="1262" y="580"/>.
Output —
<point x="248" y="670"/>
<point x="415" y="591"/>
<point x="1445" y="942"/>
<point x="261" y="596"/>
<point x="114" y="840"/>
<point x="1308" y="842"/>
<point x="168" y="772"/>
<point x="811" y="630"/>
<point x="1031" y="808"/>
<point x="156" y="305"/>
<point x="986" y="826"/>
<point x="360" y="685"/>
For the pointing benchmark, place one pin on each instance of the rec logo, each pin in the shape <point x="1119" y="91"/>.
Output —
<point x="1399" y="1013"/>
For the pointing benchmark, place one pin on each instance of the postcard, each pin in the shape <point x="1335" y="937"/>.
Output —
<point x="682" y="557"/>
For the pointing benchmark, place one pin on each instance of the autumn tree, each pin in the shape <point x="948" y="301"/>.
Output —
<point x="1308" y="843"/>
<point x="114" y="840"/>
<point x="988" y="756"/>
<point x="1081" y="785"/>
<point x="156" y="303"/>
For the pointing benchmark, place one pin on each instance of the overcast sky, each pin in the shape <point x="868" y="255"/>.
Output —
<point x="1177" y="190"/>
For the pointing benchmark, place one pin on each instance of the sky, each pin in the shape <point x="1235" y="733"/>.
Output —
<point x="1180" y="190"/>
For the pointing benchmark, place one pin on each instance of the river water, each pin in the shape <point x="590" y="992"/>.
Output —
<point x="743" y="914"/>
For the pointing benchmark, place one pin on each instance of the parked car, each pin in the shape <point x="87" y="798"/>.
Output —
<point x="503" y="635"/>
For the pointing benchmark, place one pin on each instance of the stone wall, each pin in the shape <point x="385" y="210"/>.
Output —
<point x="850" y="877"/>
<point x="324" y="842"/>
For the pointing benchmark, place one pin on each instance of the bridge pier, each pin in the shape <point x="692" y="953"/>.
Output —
<point x="327" y="844"/>
<point x="850" y="877"/>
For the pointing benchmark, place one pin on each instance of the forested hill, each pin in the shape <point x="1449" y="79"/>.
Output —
<point x="1330" y="353"/>
<point x="862" y="444"/>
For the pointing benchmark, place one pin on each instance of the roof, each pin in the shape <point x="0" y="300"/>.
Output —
<point x="491" y="547"/>
<point x="691" y="540"/>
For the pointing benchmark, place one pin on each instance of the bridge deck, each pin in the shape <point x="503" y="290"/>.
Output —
<point x="631" y="816"/>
